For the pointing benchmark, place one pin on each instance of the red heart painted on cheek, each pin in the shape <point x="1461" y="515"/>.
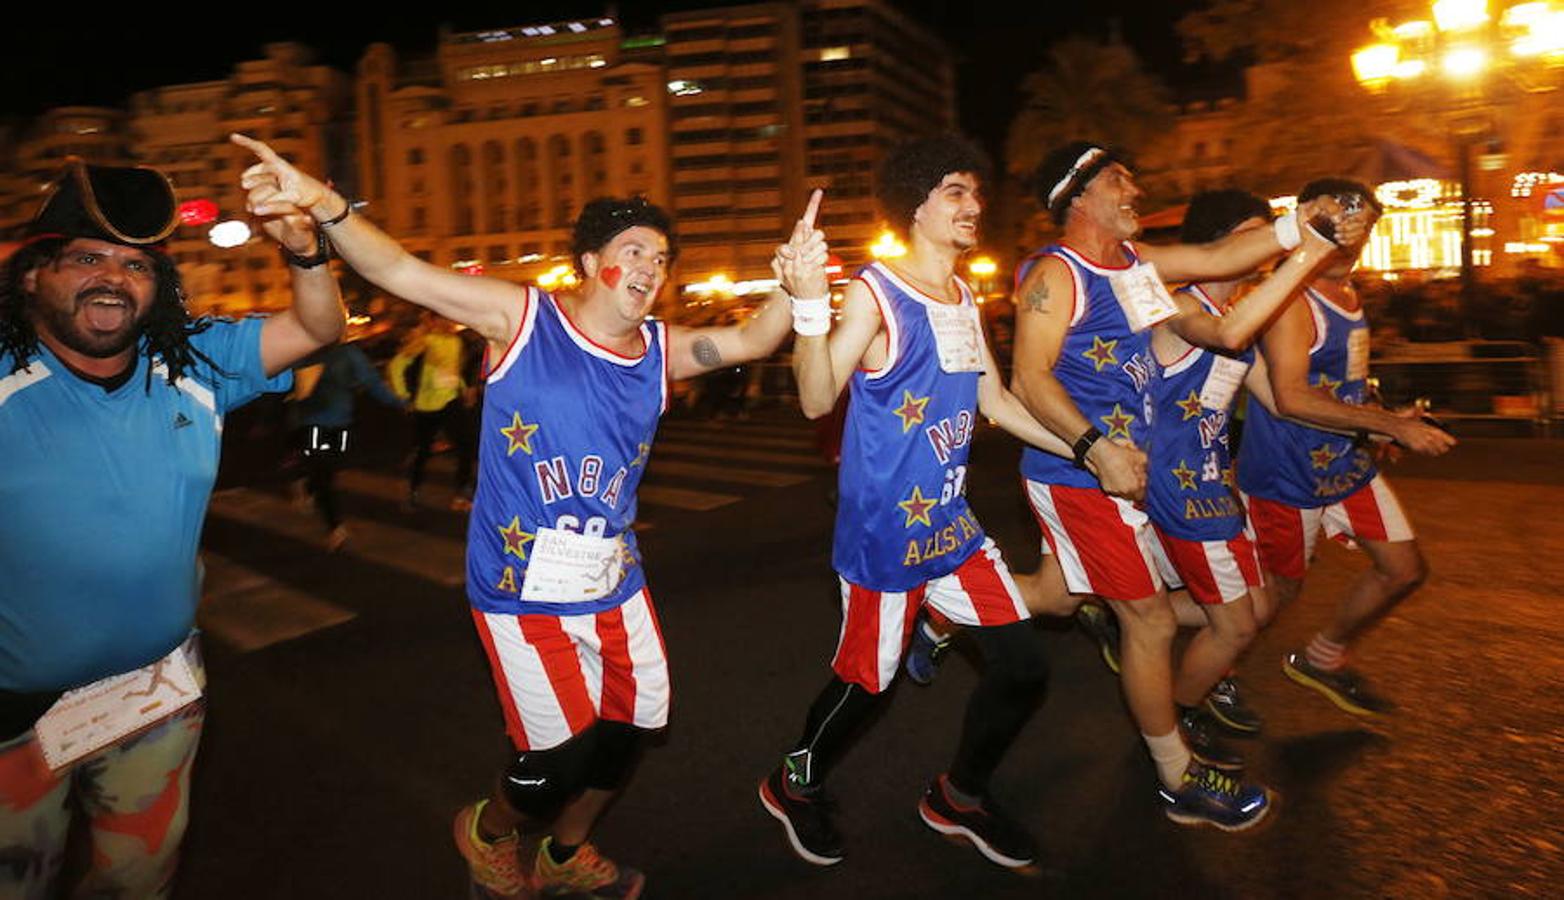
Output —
<point x="610" y="276"/>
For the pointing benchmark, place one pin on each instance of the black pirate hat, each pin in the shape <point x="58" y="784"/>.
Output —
<point x="131" y="205"/>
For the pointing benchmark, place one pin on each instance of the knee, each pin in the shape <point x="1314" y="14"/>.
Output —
<point x="1149" y="621"/>
<point x="617" y="749"/>
<point x="538" y="782"/>
<point x="1014" y="653"/>
<point x="1407" y="575"/>
<point x="1236" y="630"/>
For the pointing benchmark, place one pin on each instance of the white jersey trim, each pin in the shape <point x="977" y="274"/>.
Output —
<point x="529" y="315"/>
<point x="16" y="382"/>
<point x="892" y="328"/>
<point x="593" y="348"/>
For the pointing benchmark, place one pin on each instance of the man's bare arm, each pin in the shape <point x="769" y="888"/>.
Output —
<point x="1236" y="329"/>
<point x="489" y="306"/>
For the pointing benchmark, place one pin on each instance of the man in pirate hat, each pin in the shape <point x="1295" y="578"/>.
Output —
<point x="111" y="410"/>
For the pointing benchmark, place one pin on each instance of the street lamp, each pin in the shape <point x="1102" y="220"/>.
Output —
<point x="1464" y="41"/>
<point x="887" y="247"/>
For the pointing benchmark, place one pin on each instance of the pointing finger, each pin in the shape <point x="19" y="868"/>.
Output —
<point x="813" y="209"/>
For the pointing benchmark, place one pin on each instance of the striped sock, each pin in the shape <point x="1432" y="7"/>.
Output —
<point x="1324" y="653"/>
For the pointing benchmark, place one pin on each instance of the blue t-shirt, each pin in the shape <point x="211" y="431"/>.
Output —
<point x="102" y="496"/>
<point x="567" y="432"/>
<point x="902" y="517"/>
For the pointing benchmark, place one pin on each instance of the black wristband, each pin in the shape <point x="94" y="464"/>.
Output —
<point x="1084" y="444"/>
<point x="320" y="257"/>
<point x="347" y="210"/>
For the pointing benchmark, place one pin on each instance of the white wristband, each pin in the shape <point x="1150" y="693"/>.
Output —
<point x="1287" y="233"/>
<point x="811" y="317"/>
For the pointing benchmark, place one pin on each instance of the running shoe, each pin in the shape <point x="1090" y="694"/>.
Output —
<point x="1103" y="627"/>
<point x="805" y="818"/>
<point x="994" y="834"/>
<point x="1211" y="797"/>
<point x="1193" y="724"/>
<point x="925" y="653"/>
<point x="1226" y="704"/>
<point x="495" y="865"/>
<point x="588" y="875"/>
<point x="1344" y="687"/>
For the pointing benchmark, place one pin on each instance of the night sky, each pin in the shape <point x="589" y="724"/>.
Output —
<point x="98" y="58"/>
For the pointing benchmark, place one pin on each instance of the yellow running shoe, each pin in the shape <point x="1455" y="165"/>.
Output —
<point x="586" y="874"/>
<point x="495" y="865"/>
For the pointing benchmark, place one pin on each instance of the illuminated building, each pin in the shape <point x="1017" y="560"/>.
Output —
<point x="284" y="99"/>
<point x="97" y="135"/>
<point x="481" y="157"/>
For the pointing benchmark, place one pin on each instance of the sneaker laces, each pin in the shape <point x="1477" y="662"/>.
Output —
<point x="586" y="869"/>
<point x="1215" y="781"/>
<point x="1226" y="690"/>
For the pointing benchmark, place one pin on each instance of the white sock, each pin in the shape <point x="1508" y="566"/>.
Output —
<point x="1171" y="756"/>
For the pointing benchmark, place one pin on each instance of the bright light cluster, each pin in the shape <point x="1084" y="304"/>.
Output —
<point x="1460" y="41"/>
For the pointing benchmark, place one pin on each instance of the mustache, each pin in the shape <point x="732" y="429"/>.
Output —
<point x="104" y="290"/>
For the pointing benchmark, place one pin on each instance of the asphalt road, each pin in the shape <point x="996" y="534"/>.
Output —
<point x="352" y="712"/>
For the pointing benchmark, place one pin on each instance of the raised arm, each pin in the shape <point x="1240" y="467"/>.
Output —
<point x="1286" y="348"/>
<point x="1236" y="329"/>
<point x="488" y="306"/>
<point x="1241" y="253"/>
<point x="697" y="350"/>
<point x="1043" y="305"/>
<point x="317" y="317"/>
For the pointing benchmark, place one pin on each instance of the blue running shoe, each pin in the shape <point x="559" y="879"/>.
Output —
<point x="923" y="657"/>
<point x="1211" y="797"/>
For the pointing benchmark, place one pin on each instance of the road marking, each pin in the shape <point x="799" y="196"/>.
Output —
<point x="438" y="559"/>
<point x="761" y="477"/>
<point x="247" y="610"/>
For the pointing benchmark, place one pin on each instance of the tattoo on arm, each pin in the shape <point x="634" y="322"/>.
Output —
<point x="705" y="352"/>
<point x="1036" y="299"/>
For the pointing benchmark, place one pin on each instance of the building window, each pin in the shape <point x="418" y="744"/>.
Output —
<point x="634" y="136"/>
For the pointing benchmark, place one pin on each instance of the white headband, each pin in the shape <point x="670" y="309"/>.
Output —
<point x="1086" y="159"/>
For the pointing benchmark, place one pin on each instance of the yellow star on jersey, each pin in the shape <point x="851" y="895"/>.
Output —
<point x="1118" y="422"/>
<point x="1101" y="353"/>
<point x="1328" y="384"/>
<point x="1185" y="476"/>
<point x="642" y="451"/>
<point x="516" y="540"/>
<point x="917" y="507"/>
<point x="519" y="433"/>
<point x="1322" y="456"/>
<point x="911" y="410"/>
<point x="1191" y="406"/>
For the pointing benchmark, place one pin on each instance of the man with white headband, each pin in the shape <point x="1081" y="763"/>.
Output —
<point x="1084" y="367"/>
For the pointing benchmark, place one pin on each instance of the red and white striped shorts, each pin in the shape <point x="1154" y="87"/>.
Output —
<point x="1285" y="535"/>
<point x="1105" y="545"/>
<point x="877" y="625"/>
<point x="556" y="675"/>
<point x="1214" y="572"/>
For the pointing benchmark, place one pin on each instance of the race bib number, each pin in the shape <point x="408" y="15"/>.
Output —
<point x="566" y="567"/>
<point x="1222" y="381"/>
<point x="956" y="337"/>
<point x="1358" y="354"/>
<point x="1142" y="295"/>
<point x="87" y="719"/>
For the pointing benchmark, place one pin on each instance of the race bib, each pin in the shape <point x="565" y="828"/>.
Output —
<point x="566" y="567"/>
<point x="1222" y="381"/>
<point x="1142" y="295"/>
<point x="956" y="336"/>
<point x="87" y="719"/>
<point x="1358" y="354"/>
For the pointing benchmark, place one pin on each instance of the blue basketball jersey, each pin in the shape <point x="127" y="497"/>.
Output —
<point x="902" y="517"/>
<point x="567" y="431"/>
<point x="1189" y="481"/>
<point x="1302" y="466"/>
<point x="1105" y="366"/>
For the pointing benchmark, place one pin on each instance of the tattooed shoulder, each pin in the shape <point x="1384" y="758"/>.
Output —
<point x="705" y="352"/>
<point x="1035" y="297"/>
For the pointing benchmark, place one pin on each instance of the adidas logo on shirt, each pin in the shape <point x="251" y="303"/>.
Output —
<point x="181" y="420"/>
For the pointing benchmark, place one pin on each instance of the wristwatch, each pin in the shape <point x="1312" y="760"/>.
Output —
<point x="1084" y="444"/>
<point x="321" y="256"/>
